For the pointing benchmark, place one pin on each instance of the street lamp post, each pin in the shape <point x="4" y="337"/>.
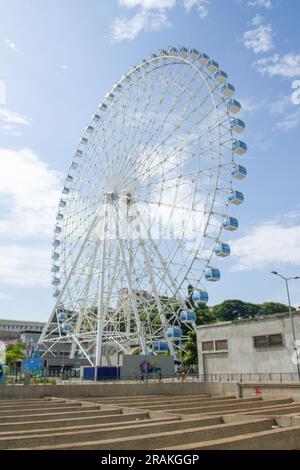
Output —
<point x="287" y="279"/>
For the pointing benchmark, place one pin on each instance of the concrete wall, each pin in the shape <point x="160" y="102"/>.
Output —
<point x="100" y="390"/>
<point x="172" y="388"/>
<point x="242" y="356"/>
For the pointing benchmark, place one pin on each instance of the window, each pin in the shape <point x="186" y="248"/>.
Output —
<point x="207" y="346"/>
<point x="275" y="340"/>
<point x="265" y="341"/>
<point x="221" y="344"/>
<point x="261" y="341"/>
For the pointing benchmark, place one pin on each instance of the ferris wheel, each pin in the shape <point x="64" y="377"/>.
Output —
<point x="144" y="209"/>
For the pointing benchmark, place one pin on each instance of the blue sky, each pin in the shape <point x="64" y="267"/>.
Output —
<point x="58" y="60"/>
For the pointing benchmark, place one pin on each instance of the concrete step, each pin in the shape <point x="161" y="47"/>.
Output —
<point x="124" y="420"/>
<point x="278" y="410"/>
<point x="235" y="407"/>
<point x="100" y="433"/>
<point x="48" y="409"/>
<point x="102" y="420"/>
<point x="163" y="403"/>
<point x="64" y="414"/>
<point x="189" y="404"/>
<point x="145" y="398"/>
<point x="39" y="406"/>
<point x="161" y="439"/>
<point x="287" y="438"/>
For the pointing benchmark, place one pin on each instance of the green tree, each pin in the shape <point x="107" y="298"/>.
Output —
<point x="269" y="308"/>
<point x="232" y="309"/>
<point x="190" y="356"/>
<point x="14" y="352"/>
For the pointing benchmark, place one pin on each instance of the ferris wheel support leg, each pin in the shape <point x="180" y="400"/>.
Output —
<point x="101" y="309"/>
<point x="67" y="280"/>
<point x="131" y="290"/>
<point x="158" y="302"/>
<point x="83" y="306"/>
<point x="133" y="300"/>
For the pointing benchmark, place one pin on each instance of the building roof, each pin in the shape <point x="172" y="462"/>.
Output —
<point x="21" y="322"/>
<point x="258" y="318"/>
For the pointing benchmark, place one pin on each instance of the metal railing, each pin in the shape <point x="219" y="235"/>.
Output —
<point x="251" y="377"/>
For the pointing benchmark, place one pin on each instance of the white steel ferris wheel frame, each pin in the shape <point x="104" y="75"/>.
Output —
<point x="95" y="269"/>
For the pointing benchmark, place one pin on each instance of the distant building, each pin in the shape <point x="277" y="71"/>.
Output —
<point x="12" y="329"/>
<point x="255" y="345"/>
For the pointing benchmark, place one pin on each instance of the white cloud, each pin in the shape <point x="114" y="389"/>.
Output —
<point x="260" y="38"/>
<point x="269" y="244"/>
<point x="148" y="4"/>
<point x="200" y="5"/>
<point x="29" y="193"/>
<point x="267" y="4"/>
<point x="285" y="66"/>
<point x="258" y="19"/>
<point x="128" y="29"/>
<point x="23" y="266"/>
<point x="11" y="44"/>
<point x="13" y="118"/>
<point x="291" y="120"/>
<point x="249" y="106"/>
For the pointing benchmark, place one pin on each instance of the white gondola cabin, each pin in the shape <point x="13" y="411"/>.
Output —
<point x="239" y="172"/>
<point x="187" y="316"/>
<point x="227" y="90"/>
<point x="56" y="293"/>
<point x="174" y="333"/>
<point x="236" y="197"/>
<point x="183" y="51"/>
<point x="109" y="96"/>
<point x="200" y="297"/>
<point x="102" y="107"/>
<point x="55" y="281"/>
<point x="126" y="78"/>
<point x="117" y="87"/>
<point x="239" y="147"/>
<point x="62" y="317"/>
<point x="59" y="216"/>
<point x="233" y="106"/>
<point x="212" y="65"/>
<point x="193" y="53"/>
<point x="230" y="224"/>
<point x="55" y="268"/>
<point x="96" y="118"/>
<point x="212" y="274"/>
<point x="57" y="229"/>
<point x="160" y="346"/>
<point x="203" y="58"/>
<point x="173" y="51"/>
<point x="83" y="141"/>
<point x="237" y="125"/>
<point x="56" y="243"/>
<point x="89" y="129"/>
<point x="221" y="76"/>
<point x="222" y="250"/>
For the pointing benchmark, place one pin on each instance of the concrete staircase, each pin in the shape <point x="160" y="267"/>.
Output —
<point x="150" y="422"/>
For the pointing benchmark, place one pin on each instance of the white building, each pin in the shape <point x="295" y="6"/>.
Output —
<point x="260" y="345"/>
<point x="12" y="329"/>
